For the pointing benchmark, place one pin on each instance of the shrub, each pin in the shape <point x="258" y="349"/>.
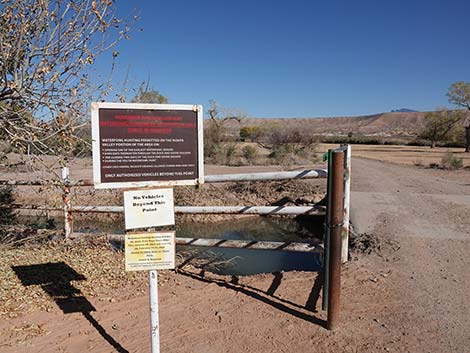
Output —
<point x="288" y="146"/>
<point x="250" y="133"/>
<point x="250" y="153"/>
<point x="451" y="161"/>
<point x="230" y="152"/>
<point x="419" y="142"/>
<point x="280" y="153"/>
<point x="223" y="153"/>
<point x="7" y="216"/>
<point x="212" y="139"/>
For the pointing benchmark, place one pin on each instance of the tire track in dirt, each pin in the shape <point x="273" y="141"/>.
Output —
<point x="428" y="215"/>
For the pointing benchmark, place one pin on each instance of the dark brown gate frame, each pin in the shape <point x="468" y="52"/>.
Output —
<point x="334" y="232"/>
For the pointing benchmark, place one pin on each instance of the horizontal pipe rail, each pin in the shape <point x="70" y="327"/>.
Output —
<point x="259" y="210"/>
<point x="236" y="244"/>
<point x="16" y="206"/>
<point x="247" y="244"/>
<point x="297" y="174"/>
<point x="221" y="178"/>
<point x="46" y="183"/>
<point x="30" y="182"/>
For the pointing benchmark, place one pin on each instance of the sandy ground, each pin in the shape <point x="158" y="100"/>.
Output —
<point x="410" y="296"/>
<point x="408" y="155"/>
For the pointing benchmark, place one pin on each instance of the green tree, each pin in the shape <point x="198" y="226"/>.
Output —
<point x="144" y="95"/>
<point x="459" y="94"/>
<point x="440" y="125"/>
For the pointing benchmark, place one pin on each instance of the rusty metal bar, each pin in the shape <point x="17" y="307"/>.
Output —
<point x="72" y="183"/>
<point x="18" y="206"/>
<point x="326" y="236"/>
<point x="29" y="182"/>
<point x="255" y="245"/>
<point x="335" y="226"/>
<point x="237" y="244"/>
<point x="68" y="218"/>
<point x="260" y="210"/>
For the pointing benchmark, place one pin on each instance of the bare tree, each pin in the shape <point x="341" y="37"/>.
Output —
<point x="439" y="125"/>
<point x="215" y="130"/>
<point x="459" y="94"/>
<point x="218" y="117"/>
<point x="47" y="49"/>
<point x="219" y="114"/>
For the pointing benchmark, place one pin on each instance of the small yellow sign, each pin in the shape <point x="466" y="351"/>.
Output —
<point x="150" y="251"/>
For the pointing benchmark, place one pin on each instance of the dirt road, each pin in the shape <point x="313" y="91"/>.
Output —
<point x="428" y="213"/>
<point x="411" y="296"/>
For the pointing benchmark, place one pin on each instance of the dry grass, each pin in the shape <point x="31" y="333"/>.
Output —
<point x="101" y="266"/>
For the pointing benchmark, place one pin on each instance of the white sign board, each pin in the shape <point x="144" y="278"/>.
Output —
<point x="150" y="251"/>
<point x="149" y="208"/>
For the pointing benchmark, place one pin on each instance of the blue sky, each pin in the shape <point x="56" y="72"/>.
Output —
<point x="299" y="58"/>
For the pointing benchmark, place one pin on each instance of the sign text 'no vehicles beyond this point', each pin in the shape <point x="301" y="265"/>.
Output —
<point x="149" y="208"/>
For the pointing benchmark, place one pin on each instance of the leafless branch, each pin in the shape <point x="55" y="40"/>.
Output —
<point x="47" y="49"/>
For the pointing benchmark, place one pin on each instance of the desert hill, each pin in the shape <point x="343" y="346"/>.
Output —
<point x="391" y="124"/>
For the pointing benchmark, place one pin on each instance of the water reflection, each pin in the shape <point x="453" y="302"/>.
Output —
<point x="306" y="228"/>
<point x="227" y="261"/>
<point x="242" y="262"/>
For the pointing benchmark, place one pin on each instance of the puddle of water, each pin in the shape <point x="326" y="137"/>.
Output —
<point x="256" y="228"/>
<point x="226" y="261"/>
<point x="243" y="262"/>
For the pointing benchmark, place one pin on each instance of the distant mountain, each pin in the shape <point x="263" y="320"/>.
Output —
<point x="404" y="110"/>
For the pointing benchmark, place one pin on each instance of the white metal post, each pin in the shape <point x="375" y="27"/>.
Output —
<point x="67" y="204"/>
<point x="154" y="323"/>
<point x="347" y="196"/>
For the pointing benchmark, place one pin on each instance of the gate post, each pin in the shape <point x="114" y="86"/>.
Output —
<point x="335" y="226"/>
<point x="67" y="204"/>
<point x="347" y="201"/>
